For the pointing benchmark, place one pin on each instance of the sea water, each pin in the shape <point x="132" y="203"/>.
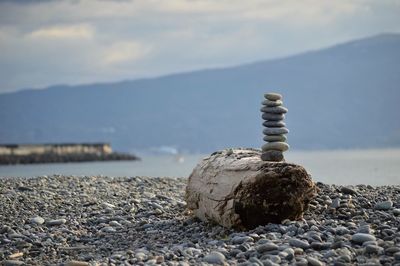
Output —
<point x="347" y="167"/>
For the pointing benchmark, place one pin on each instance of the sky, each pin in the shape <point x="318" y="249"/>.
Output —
<point x="47" y="42"/>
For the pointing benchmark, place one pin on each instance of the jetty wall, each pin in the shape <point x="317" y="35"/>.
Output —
<point x="59" y="149"/>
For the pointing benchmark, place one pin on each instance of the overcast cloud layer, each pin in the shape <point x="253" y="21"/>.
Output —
<point x="70" y="42"/>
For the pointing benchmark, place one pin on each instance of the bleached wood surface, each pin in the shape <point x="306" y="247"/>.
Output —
<point x="235" y="188"/>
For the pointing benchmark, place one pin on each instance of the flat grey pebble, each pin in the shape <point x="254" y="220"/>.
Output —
<point x="37" y="220"/>
<point x="274" y="110"/>
<point x="273" y="117"/>
<point x="274" y="124"/>
<point x="275" y="146"/>
<point x="266" y="247"/>
<point x="384" y="205"/>
<point x="56" y="222"/>
<point x="241" y="239"/>
<point x="272" y="103"/>
<point x="272" y="138"/>
<point x="272" y="96"/>
<point x="314" y="262"/>
<point x="275" y="130"/>
<point x="361" y="238"/>
<point x="371" y="249"/>
<point x="299" y="243"/>
<point x="215" y="257"/>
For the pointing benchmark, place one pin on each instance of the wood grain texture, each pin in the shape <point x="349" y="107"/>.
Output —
<point x="235" y="188"/>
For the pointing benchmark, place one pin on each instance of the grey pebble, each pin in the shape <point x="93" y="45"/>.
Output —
<point x="273" y="96"/>
<point x="272" y="103"/>
<point x="274" y="156"/>
<point x="371" y="249"/>
<point x="37" y="220"/>
<point x="314" y="262"/>
<point x="266" y="247"/>
<point x="274" y="110"/>
<point x="299" y="243"/>
<point x="361" y="238"/>
<point x="273" y="117"/>
<point x="56" y="222"/>
<point x="277" y="146"/>
<point x="241" y="239"/>
<point x="215" y="257"/>
<point x="366" y="229"/>
<point x="397" y="256"/>
<point x="274" y="124"/>
<point x="275" y="130"/>
<point x="335" y="203"/>
<point x="396" y="211"/>
<point x="348" y="190"/>
<point x="384" y="205"/>
<point x="272" y="138"/>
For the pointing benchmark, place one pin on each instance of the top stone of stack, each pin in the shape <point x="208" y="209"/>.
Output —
<point x="273" y="96"/>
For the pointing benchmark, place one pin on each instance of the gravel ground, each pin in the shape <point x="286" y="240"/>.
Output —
<point x="62" y="220"/>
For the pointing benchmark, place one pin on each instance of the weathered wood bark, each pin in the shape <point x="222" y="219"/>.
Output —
<point x="236" y="189"/>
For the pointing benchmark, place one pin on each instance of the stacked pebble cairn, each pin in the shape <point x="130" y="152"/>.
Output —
<point x="275" y="128"/>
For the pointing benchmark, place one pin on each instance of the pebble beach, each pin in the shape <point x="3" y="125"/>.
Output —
<point x="97" y="220"/>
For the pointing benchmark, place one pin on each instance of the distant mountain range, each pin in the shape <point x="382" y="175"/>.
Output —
<point x="345" y="96"/>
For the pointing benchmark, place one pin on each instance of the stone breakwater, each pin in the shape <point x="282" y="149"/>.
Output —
<point x="64" y="220"/>
<point x="65" y="158"/>
<point x="275" y="129"/>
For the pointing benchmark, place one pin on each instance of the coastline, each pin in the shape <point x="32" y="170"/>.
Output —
<point x="142" y="221"/>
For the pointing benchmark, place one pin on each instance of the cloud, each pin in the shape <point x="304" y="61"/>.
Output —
<point x="125" y="51"/>
<point x="64" y="32"/>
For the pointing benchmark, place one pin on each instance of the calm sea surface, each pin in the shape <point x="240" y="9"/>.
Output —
<point x="374" y="167"/>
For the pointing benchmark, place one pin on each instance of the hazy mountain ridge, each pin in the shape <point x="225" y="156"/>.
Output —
<point x="345" y="96"/>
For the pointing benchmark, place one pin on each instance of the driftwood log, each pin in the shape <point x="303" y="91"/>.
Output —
<point x="235" y="188"/>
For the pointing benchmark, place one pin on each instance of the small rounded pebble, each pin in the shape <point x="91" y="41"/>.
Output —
<point x="272" y="155"/>
<point x="384" y="205"/>
<point x="215" y="257"/>
<point x="272" y="103"/>
<point x="273" y="117"/>
<point x="56" y="222"/>
<point x="275" y="131"/>
<point x="274" y="110"/>
<point x="361" y="238"/>
<point x="373" y="249"/>
<point x="299" y="243"/>
<point x="273" y="96"/>
<point x="37" y="220"/>
<point x="314" y="262"/>
<point x="266" y="247"/>
<point x="278" y="146"/>
<point x="274" y="124"/>
<point x="272" y="138"/>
